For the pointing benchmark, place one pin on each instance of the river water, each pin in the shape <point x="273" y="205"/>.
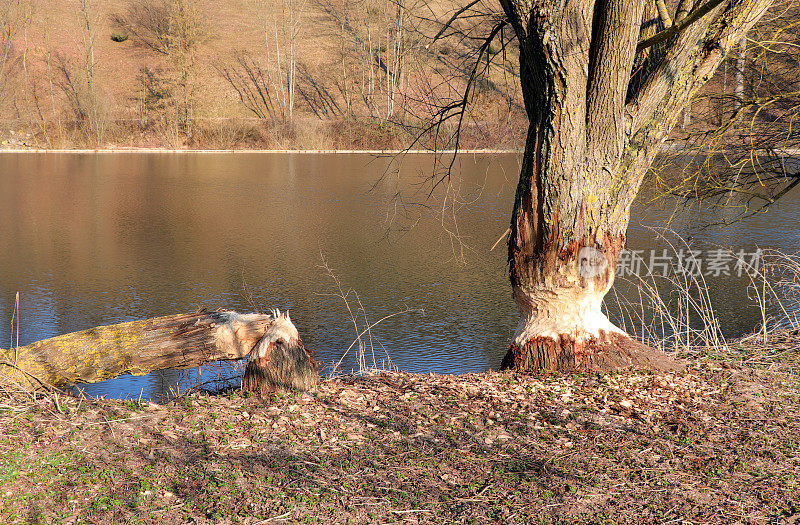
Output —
<point x="92" y="239"/>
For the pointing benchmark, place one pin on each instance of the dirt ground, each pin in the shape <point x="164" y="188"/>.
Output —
<point x="717" y="444"/>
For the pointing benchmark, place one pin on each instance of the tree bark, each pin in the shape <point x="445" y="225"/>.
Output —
<point x="139" y="347"/>
<point x="592" y="137"/>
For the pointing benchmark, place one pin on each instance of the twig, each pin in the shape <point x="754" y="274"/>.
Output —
<point x="278" y="517"/>
<point x="360" y="333"/>
<point x="500" y="239"/>
<point x="110" y="427"/>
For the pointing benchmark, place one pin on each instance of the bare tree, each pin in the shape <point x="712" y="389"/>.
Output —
<point x="603" y="83"/>
<point x="15" y="15"/>
<point x="94" y="112"/>
<point x="156" y="96"/>
<point x="72" y="89"/>
<point x="188" y="32"/>
<point x="374" y="51"/>
<point x="150" y="24"/>
<point x="79" y="84"/>
<point x="286" y="29"/>
<point x="269" y="90"/>
<point x="174" y="29"/>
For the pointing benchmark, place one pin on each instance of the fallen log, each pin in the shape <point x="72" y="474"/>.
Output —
<point x="175" y="341"/>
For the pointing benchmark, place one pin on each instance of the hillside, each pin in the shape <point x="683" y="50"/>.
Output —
<point x="153" y="73"/>
<point x="315" y="74"/>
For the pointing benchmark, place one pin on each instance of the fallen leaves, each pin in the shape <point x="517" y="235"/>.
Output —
<point x="386" y="443"/>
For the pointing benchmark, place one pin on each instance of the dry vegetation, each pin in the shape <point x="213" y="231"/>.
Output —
<point x="315" y="74"/>
<point x="244" y="74"/>
<point x="718" y="444"/>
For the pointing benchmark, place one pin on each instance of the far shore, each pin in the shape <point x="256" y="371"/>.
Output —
<point x="672" y="147"/>
<point x="279" y="151"/>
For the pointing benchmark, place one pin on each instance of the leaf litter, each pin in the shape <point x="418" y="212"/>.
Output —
<point x="716" y="444"/>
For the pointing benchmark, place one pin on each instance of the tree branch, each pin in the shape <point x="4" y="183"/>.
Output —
<point x="679" y="27"/>
<point x="689" y="63"/>
<point x="663" y="13"/>
<point x="684" y="6"/>
<point x="457" y="109"/>
<point x="453" y="19"/>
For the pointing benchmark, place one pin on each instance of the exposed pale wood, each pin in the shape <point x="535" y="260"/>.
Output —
<point x="280" y="362"/>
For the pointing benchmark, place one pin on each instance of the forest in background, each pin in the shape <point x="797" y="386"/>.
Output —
<point x="315" y="74"/>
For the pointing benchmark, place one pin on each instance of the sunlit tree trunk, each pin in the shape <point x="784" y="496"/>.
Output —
<point x="592" y="136"/>
<point x="741" y="61"/>
<point x="278" y="359"/>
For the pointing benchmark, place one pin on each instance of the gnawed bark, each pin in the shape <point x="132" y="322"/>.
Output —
<point x="279" y="361"/>
<point x="136" y="348"/>
<point x="598" y="111"/>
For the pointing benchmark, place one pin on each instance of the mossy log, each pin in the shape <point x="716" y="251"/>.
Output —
<point x="135" y="347"/>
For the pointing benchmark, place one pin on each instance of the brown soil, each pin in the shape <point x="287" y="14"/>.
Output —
<point x="711" y="445"/>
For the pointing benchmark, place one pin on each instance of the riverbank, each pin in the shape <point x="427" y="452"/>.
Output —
<point x="269" y="151"/>
<point x="672" y="148"/>
<point x="717" y="444"/>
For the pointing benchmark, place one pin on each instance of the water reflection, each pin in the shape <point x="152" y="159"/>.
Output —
<point x="97" y="239"/>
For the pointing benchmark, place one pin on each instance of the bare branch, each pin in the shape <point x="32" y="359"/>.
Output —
<point x="679" y="27"/>
<point x="663" y="13"/>
<point x="453" y="19"/>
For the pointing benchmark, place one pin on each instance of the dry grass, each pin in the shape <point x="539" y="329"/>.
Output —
<point x="675" y="312"/>
<point x="337" y="105"/>
<point x="364" y="345"/>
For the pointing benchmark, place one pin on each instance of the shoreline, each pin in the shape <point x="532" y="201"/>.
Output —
<point x="667" y="148"/>
<point x="269" y="151"/>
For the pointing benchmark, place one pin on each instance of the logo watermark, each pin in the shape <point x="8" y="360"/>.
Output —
<point x="696" y="263"/>
<point x="592" y="262"/>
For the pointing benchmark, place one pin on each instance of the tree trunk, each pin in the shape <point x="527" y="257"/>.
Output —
<point x="739" y="90"/>
<point x="140" y="347"/>
<point x="592" y="136"/>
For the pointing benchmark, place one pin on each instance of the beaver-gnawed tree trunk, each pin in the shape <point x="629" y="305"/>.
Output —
<point x="602" y="88"/>
<point x="278" y="359"/>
